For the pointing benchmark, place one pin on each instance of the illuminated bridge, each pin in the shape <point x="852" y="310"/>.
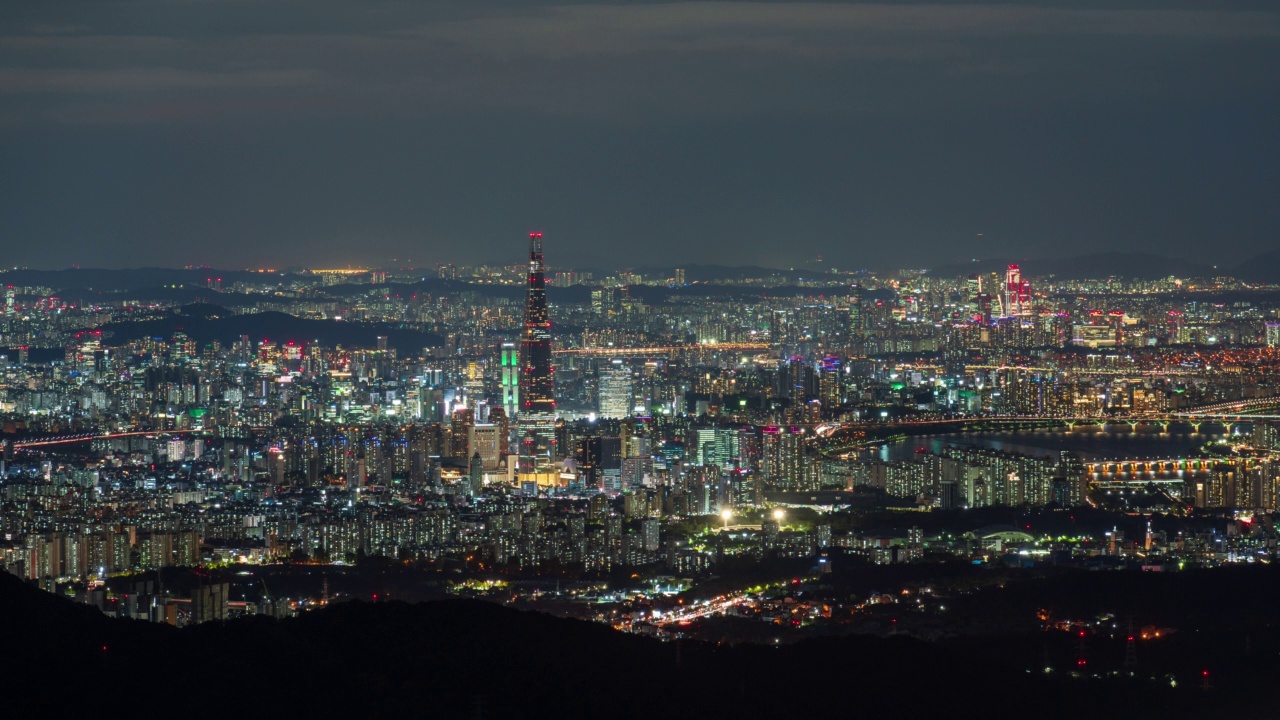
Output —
<point x="1242" y="410"/>
<point x="1123" y="372"/>
<point x="662" y="350"/>
<point x="90" y="437"/>
<point x="1150" y="467"/>
<point x="842" y="438"/>
<point x="1133" y="421"/>
<point x="1169" y="474"/>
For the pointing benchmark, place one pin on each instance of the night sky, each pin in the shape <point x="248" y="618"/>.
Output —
<point x="250" y="133"/>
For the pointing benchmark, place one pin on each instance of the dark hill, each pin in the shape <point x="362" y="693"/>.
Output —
<point x="469" y="659"/>
<point x="124" y="279"/>
<point x="161" y="294"/>
<point x="729" y="273"/>
<point x="1264" y="268"/>
<point x="203" y="323"/>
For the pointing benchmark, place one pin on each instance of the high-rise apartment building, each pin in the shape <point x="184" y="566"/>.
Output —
<point x="615" y="390"/>
<point x="782" y="458"/>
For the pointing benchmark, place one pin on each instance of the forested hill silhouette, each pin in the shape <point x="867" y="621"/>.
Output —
<point x="1263" y="268"/>
<point x="468" y="659"/>
<point x="205" y="323"/>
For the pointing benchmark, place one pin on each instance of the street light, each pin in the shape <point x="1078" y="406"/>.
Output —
<point x="778" y="514"/>
<point x="726" y="514"/>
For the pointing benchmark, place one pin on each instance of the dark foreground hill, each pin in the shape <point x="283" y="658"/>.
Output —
<point x="469" y="659"/>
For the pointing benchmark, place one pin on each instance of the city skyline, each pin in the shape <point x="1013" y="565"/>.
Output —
<point x="709" y="464"/>
<point x="870" y="347"/>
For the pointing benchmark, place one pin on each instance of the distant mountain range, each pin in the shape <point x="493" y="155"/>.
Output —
<point x="1134" y="265"/>
<point x="1264" y="268"/>
<point x="725" y="273"/>
<point x="190" y="285"/>
<point x="94" y="280"/>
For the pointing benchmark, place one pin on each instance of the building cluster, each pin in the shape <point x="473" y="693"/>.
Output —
<point x="576" y="423"/>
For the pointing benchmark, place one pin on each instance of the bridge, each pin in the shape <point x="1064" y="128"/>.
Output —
<point x="661" y="350"/>
<point x="1227" y="413"/>
<point x="1236" y="409"/>
<point x="1131" y="372"/>
<point x="90" y="437"/>
<point x="1163" y="420"/>
<point x="1150" y="467"/>
<point x="843" y="438"/>
<point x="1170" y="475"/>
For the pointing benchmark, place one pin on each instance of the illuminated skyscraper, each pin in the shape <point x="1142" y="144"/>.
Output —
<point x="510" y="380"/>
<point x="974" y="295"/>
<point x="615" y="391"/>
<point x="1017" y="293"/>
<point x="782" y="458"/>
<point x="536" y="420"/>
<point x="461" y="427"/>
<point x="474" y="386"/>
<point x="831" y="383"/>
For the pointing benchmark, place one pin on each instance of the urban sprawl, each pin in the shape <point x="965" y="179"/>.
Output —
<point x="625" y="446"/>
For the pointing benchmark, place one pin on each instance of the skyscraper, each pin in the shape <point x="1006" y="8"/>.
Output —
<point x="510" y="380"/>
<point x="782" y="458"/>
<point x="1017" y="293"/>
<point x="536" y="421"/>
<point x="615" y="390"/>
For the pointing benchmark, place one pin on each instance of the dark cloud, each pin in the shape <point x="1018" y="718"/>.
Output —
<point x="234" y="132"/>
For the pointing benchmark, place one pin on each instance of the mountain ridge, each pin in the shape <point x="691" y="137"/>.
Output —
<point x="89" y="282"/>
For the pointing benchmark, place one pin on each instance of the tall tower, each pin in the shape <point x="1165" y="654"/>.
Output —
<point x="536" y="421"/>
